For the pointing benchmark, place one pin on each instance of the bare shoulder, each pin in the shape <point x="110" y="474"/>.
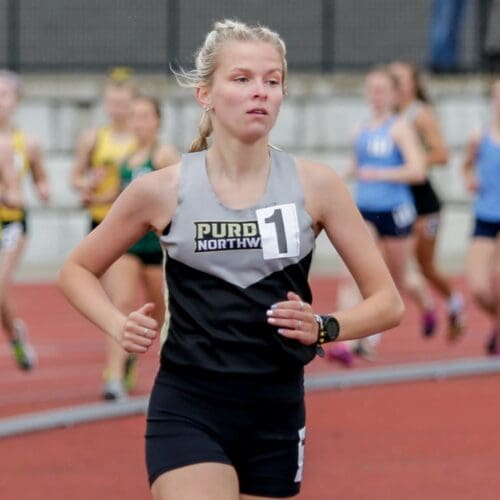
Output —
<point x="33" y="145"/>
<point x="165" y="156"/>
<point x="88" y="138"/>
<point x="400" y="128"/>
<point x="316" y="174"/>
<point x="156" y="195"/>
<point x="323" y="188"/>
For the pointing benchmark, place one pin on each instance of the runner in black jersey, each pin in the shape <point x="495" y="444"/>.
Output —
<point x="414" y="106"/>
<point x="238" y="220"/>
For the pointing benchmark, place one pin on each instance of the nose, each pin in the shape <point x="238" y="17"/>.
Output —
<point x="259" y="90"/>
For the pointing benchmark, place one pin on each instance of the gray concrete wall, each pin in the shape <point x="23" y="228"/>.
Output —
<point x="315" y="122"/>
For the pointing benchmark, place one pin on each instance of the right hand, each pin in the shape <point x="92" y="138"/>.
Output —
<point x="471" y="183"/>
<point x="140" y="330"/>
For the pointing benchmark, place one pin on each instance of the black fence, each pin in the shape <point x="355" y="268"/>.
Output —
<point x="148" y="35"/>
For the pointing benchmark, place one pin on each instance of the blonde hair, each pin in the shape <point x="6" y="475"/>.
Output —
<point x="121" y="77"/>
<point x="206" y="63"/>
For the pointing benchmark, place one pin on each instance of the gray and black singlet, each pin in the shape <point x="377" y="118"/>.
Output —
<point x="226" y="267"/>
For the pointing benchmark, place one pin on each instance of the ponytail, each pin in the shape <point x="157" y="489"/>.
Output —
<point x="204" y="130"/>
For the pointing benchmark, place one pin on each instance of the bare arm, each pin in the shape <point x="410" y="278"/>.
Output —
<point x="352" y="166"/>
<point x="11" y="194"/>
<point x="332" y="208"/>
<point x="427" y="127"/>
<point x="469" y="163"/>
<point x="35" y="158"/>
<point x="147" y="204"/>
<point x="165" y="156"/>
<point x="86" y="142"/>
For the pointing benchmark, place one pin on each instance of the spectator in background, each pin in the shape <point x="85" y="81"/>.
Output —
<point x="446" y="24"/>
<point x="27" y="160"/>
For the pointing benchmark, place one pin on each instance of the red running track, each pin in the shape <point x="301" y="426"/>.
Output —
<point x="428" y="440"/>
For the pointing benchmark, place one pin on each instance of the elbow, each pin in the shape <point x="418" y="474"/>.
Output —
<point x="395" y="310"/>
<point x="444" y="158"/>
<point x="419" y="175"/>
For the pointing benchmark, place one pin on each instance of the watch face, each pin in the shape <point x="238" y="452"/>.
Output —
<point x="331" y="326"/>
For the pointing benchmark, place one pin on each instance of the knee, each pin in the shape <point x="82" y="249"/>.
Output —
<point x="481" y="293"/>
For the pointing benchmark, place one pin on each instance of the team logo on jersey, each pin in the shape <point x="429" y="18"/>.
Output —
<point x="219" y="236"/>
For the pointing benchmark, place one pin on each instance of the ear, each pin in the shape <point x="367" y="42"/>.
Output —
<point x="203" y="96"/>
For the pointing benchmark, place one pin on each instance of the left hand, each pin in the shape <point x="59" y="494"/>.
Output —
<point x="294" y="319"/>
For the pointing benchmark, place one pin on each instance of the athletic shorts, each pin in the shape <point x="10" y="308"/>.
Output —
<point x="93" y="224"/>
<point x="396" y="223"/>
<point x="425" y="198"/>
<point x="263" y="441"/>
<point x="148" y="258"/>
<point x="12" y="232"/>
<point x="486" y="229"/>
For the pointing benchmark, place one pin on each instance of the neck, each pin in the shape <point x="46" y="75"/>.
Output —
<point x="119" y="126"/>
<point x="380" y="116"/>
<point x="145" y="143"/>
<point x="235" y="160"/>
<point x="405" y="103"/>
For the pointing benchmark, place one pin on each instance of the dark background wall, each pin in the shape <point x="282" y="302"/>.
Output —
<point x="91" y="35"/>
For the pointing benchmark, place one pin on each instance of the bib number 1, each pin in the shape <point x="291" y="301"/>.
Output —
<point x="279" y="231"/>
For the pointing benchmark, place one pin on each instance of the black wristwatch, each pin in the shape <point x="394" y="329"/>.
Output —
<point x="328" y="331"/>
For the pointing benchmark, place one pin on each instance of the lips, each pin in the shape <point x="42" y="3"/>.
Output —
<point x="257" y="111"/>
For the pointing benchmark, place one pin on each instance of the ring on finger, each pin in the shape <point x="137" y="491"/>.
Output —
<point x="145" y="331"/>
<point x="299" y="324"/>
<point x="301" y="305"/>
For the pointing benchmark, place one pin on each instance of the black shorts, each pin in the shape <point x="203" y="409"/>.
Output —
<point x="425" y="198"/>
<point x="93" y="224"/>
<point x="148" y="258"/>
<point x="397" y="223"/>
<point x="23" y="223"/>
<point x="263" y="441"/>
<point x="486" y="229"/>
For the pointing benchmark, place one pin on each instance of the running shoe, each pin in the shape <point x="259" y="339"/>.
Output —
<point x="23" y="351"/>
<point x="456" y="325"/>
<point x="130" y="372"/>
<point x="492" y="344"/>
<point x="365" y="349"/>
<point x="341" y="354"/>
<point x="114" y="390"/>
<point x="456" y="316"/>
<point x="429" y="322"/>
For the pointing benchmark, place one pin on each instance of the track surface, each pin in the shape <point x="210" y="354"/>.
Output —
<point x="423" y="440"/>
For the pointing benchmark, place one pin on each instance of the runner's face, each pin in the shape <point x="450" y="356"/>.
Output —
<point x="144" y="120"/>
<point x="117" y="101"/>
<point x="406" y="86"/>
<point x="379" y="92"/>
<point x="8" y="99"/>
<point x="247" y="89"/>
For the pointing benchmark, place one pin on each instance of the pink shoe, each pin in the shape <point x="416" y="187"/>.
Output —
<point x="429" y="322"/>
<point x="341" y="354"/>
